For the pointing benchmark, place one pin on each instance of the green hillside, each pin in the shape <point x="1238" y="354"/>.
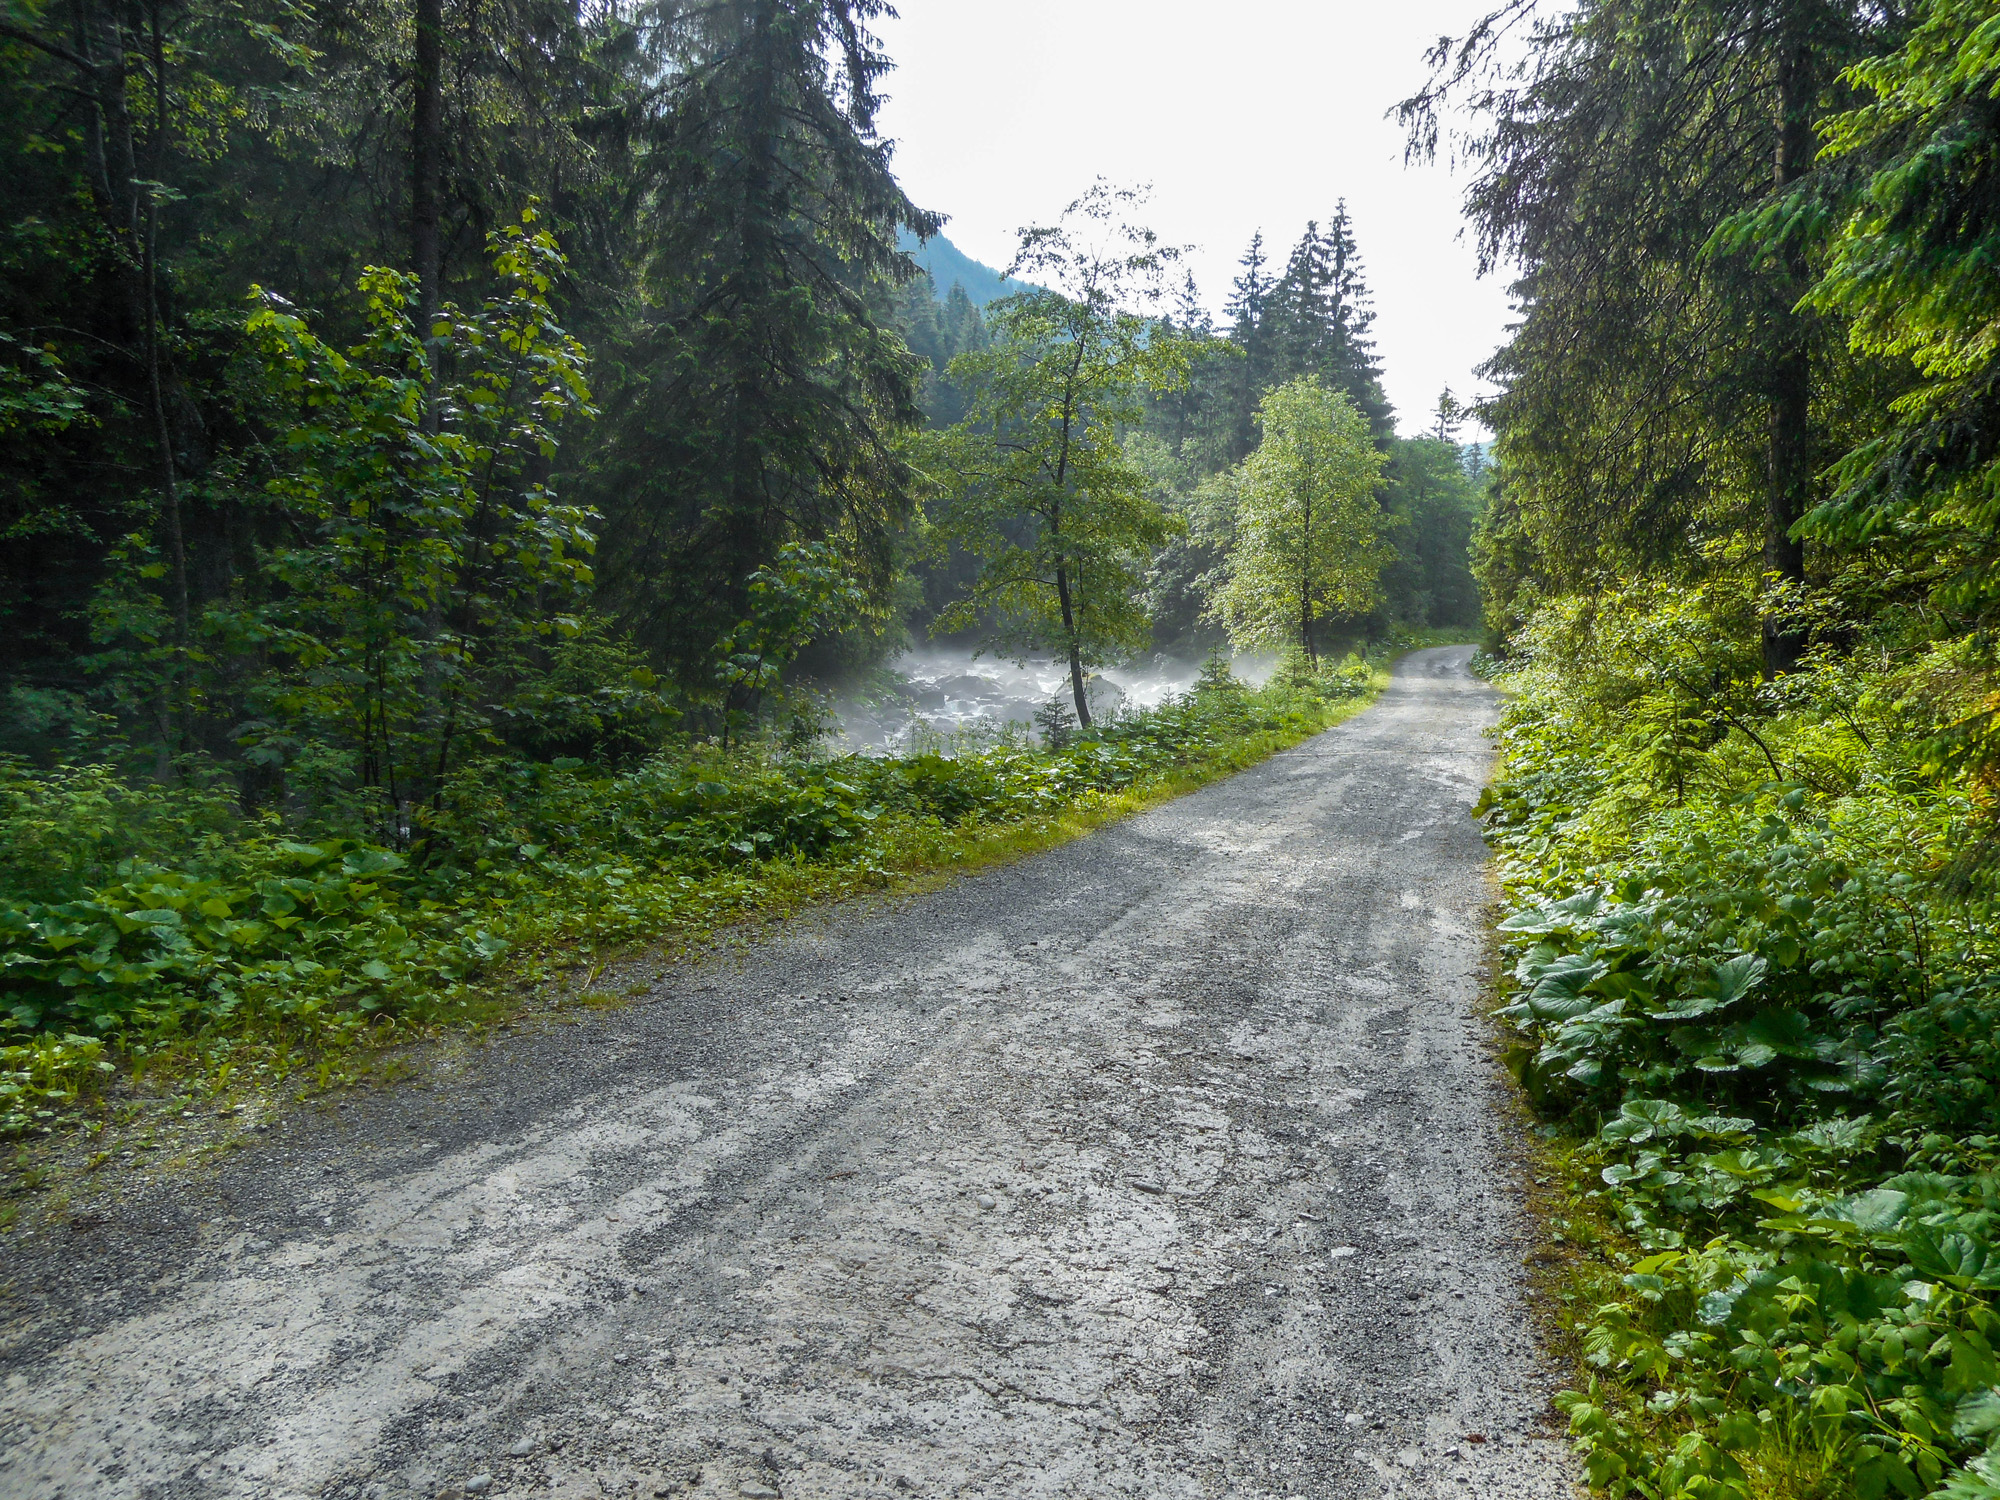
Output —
<point x="948" y="264"/>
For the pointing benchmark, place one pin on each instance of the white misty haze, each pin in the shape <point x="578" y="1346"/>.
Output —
<point x="1254" y="114"/>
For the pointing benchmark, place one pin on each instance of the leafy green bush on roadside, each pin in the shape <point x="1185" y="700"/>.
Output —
<point x="68" y="829"/>
<point x="1779" y="1048"/>
<point x="298" y="928"/>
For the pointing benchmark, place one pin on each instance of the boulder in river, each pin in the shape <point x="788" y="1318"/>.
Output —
<point x="968" y="685"/>
<point x="1104" y="696"/>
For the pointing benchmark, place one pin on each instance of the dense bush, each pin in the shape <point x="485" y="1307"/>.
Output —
<point x="1735" y="979"/>
<point x="68" y="829"/>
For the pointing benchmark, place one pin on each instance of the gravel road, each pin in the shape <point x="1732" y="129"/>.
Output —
<point x="1169" y="1163"/>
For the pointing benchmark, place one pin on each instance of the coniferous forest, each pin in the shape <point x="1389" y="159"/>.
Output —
<point x="388" y="388"/>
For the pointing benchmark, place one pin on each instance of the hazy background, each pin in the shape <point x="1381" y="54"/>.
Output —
<point x="1257" y="113"/>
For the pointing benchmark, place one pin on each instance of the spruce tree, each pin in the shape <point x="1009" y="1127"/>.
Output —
<point x="1248" y="306"/>
<point x="1182" y="408"/>
<point x="1649" y="164"/>
<point x="761" y="394"/>
<point x="1320" y="315"/>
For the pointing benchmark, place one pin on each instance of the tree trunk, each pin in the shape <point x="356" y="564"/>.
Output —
<point x="427" y="160"/>
<point x="1789" y="461"/>
<point x="1305" y="575"/>
<point x="1070" y="637"/>
<point x="156" y="379"/>
<point x="131" y="215"/>
<point x="1075" y="650"/>
<point x="1790" y="481"/>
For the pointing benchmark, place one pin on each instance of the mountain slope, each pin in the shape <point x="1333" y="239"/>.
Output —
<point x="948" y="264"/>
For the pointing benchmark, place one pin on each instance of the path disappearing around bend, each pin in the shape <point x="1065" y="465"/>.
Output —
<point x="1169" y="1163"/>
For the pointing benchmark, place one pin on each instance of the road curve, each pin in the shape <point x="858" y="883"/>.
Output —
<point x="1166" y="1164"/>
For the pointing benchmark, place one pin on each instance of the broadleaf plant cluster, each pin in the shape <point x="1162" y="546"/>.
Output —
<point x="1768" y="1049"/>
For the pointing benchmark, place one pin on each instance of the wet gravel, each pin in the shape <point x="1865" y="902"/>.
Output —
<point x="1169" y="1163"/>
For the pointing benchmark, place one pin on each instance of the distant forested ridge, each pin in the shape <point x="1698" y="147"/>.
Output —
<point x="948" y="266"/>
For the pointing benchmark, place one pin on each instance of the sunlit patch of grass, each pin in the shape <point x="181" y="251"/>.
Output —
<point x="1793" y="1463"/>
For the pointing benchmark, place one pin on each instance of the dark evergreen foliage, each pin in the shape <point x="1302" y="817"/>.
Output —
<point x="168" y="157"/>
<point x="1663" y="390"/>
<point x="758" y="402"/>
<point x="1436" y="495"/>
<point x="1320" y="315"/>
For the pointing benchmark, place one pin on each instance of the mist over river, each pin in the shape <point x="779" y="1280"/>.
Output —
<point x="943" y="691"/>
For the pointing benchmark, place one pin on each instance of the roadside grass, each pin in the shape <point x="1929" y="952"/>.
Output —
<point x="178" y="1097"/>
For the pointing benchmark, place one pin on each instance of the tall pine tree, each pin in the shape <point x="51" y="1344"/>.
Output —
<point x="1248" y="308"/>
<point x="761" y="397"/>
<point x="1311" y="319"/>
<point x="1320" y="312"/>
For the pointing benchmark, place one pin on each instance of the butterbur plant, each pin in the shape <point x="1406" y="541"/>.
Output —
<point x="1771" y="1042"/>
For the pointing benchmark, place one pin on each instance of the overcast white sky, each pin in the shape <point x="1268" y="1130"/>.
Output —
<point x="1249" y="114"/>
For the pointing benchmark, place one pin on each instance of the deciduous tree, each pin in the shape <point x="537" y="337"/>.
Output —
<point x="1306" y="545"/>
<point x="1039" y="486"/>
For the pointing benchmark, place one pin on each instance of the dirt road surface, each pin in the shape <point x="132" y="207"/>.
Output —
<point x="1166" y="1164"/>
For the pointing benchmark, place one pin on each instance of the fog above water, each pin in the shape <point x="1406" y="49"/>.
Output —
<point x="939" y="692"/>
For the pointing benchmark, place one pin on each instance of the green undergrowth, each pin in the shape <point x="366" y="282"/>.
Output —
<point x="151" y="946"/>
<point x="1762" y="1037"/>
